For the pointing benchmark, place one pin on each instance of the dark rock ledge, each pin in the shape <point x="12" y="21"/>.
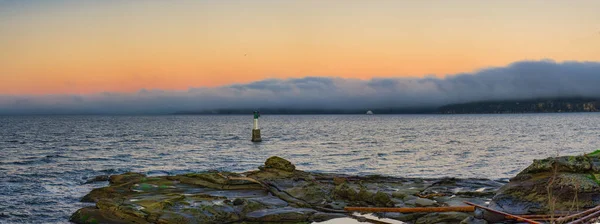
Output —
<point x="278" y="193"/>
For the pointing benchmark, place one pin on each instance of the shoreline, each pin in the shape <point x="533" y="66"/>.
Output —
<point x="277" y="193"/>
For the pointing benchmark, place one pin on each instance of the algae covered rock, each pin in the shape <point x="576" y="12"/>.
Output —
<point x="125" y="178"/>
<point x="215" y="180"/>
<point x="560" y="184"/>
<point x="280" y="215"/>
<point x="345" y="192"/>
<point x="279" y="163"/>
<point x="93" y="215"/>
<point x="382" y="199"/>
<point x="311" y="193"/>
<point x="277" y="193"/>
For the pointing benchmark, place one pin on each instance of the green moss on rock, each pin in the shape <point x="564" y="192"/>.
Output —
<point x="285" y="195"/>
<point x="311" y="193"/>
<point x="558" y="180"/>
<point x="279" y="163"/>
<point x="104" y="192"/>
<point x="594" y="153"/>
<point x="125" y="178"/>
<point x="381" y="199"/>
<point x="345" y="192"/>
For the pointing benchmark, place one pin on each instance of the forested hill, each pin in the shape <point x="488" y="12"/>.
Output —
<point x="524" y="106"/>
<point x="488" y="107"/>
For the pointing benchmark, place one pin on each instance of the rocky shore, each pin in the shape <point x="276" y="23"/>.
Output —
<point x="278" y="193"/>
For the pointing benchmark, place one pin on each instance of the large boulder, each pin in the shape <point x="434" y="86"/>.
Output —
<point x="279" y="163"/>
<point x="553" y="184"/>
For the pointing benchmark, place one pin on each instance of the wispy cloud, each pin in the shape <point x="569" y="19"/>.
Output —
<point x="520" y="80"/>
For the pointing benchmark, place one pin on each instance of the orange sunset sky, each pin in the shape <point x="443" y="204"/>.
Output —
<point x="82" y="47"/>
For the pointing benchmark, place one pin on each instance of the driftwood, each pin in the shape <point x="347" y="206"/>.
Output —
<point x="410" y="210"/>
<point x="511" y="216"/>
<point x="543" y="217"/>
<point x="587" y="217"/>
<point x="537" y="216"/>
<point x="575" y="216"/>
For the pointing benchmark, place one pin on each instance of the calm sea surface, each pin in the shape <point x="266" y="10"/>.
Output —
<point x="45" y="160"/>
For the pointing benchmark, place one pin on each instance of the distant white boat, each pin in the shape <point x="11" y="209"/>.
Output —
<point x="369" y="112"/>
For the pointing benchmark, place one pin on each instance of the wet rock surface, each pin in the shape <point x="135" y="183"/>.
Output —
<point x="98" y="179"/>
<point x="276" y="193"/>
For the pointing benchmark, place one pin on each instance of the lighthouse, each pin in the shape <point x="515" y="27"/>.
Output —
<point x="255" y="129"/>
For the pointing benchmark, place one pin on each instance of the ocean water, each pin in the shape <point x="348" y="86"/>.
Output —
<point x="45" y="160"/>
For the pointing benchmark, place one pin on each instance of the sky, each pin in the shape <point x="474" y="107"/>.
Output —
<point x="518" y="81"/>
<point x="85" y="49"/>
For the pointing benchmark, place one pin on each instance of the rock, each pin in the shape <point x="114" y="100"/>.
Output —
<point x="339" y="180"/>
<point x="490" y="217"/>
<point x="575" y="164"/>
<point x="215" y="213"/>
<point x="282" y="195"/>
<point x="478" y="213"/>
<point x="404" y="217"/>
<point x="98" y="179"/>
<point x="320" y="216"/>
<point x="399" y="195"/>
<point x="280" y="215"/>
<point x="92" y="215"/>
<point x="459" y="200"/>
<point x="311" y="193"/>
<point x="253" y="205"/>
<point x="424" y="202"/>
<point x="125" y="178"/>
<point x="364" y="195"/>
<point x="343" y="191"/>
<point x="99" y="193"/>
<point x="473" y="220"/>
<point x="466" y="187"/>
<point x="238" y="201"/>
<point x="551" y="183"/>
<point x="215" y="180"/>
<point x="279" y="163"/>
<point x="169" y="217"/>
<point x="381" y="199"/>
<point x="442" y="217"/>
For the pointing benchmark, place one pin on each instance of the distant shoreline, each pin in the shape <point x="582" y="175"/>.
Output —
<point x="570" y="105"/>
<point x="292" y="114"/>
<point x="563" y="105"/>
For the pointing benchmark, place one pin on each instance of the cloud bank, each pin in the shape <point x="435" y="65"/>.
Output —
<point x="519" y="80"/>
